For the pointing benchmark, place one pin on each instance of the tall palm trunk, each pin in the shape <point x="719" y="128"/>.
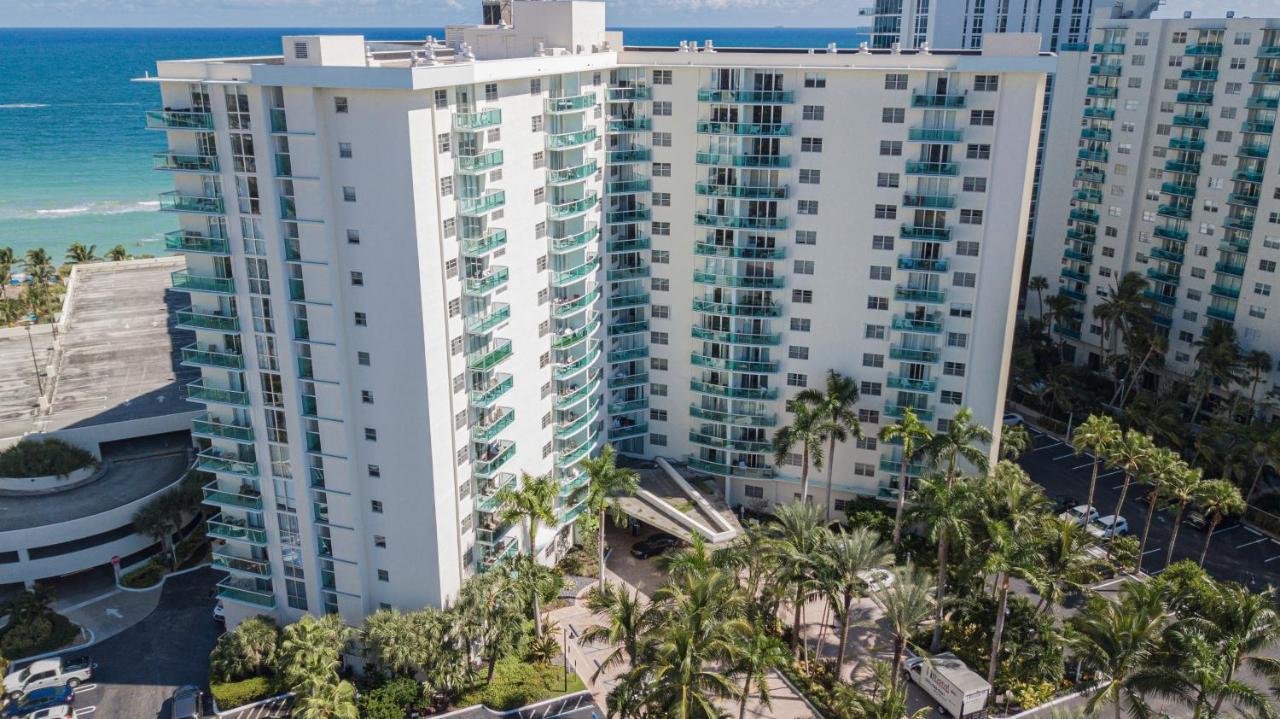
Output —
<point x="746" y="694"/>
<point x="1152" y="500"/>
<point x="601" y="548"/>
<point x="1173" y="538"/>
<point x="795" y="620"/>
<point x="1253" y="487"/>
<point x="936" y="643"/>
<point x="804" y="475"/>
<point x="899" y="647"/>
<point x="844" y="629"/>
<point x="1093" y="485"/>
<point x="997" y="635"/>
<point x="831" y="466"/>
<point x="902" y="498"/>
<point x="1207" y="538"/>
<point x="1124" y="492"/>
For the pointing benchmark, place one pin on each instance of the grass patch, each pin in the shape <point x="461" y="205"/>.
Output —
<point x="42" y="458"/>
<point x="230" y="695"/>
<point x="516" y="683"/>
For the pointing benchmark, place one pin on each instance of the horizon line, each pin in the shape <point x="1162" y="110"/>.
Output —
<point x="410" y="27"/>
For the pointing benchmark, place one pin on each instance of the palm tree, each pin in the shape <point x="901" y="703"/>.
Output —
<point x="1097" y="435"/>
<point x="848" y="555"/>
<point x="1116" y="640"/>
<point x="39" y="266"/>
<point x="334" y="699"/>
<point x="490" y="612"/>
<point x="117" y="253"/>
<point x="532" y="504"/>
<point x="1129" y="454"/>
<point x="1217" y="362"/>
<point x="882" y="700"/>
<point x="959" y="442"/>
<point x="1181" y="488"/>
<point x="839" y="420"/>
<point x="1063" y="563"/>
<point x="1245" y="624"/>
<point x="945" y="508"/>
<point x="1061" y="309"/>
<point x="907" y="604"/>
<point x="77" y="253"/>
<point x="629" y="620"/>
<point x="913" y="435"/>
<point x="1039" y="284"/>
<point x="1007" y="553"/>
<point x="607" y="482"/>
<point x="799" y="534"/>
<point x="1014" y="441"/>
<point x="160" y="518"/>
<point x="1257" y="363"/>
<point x="1161" y="468"/>
<point x="1125" y="307"/>
<point x="1217" y="500"/>
<point x="754" y="656"/>
<point x="1265" y="448"/>
<point x="247" y="650"/>
<point x="394" y="641"/>
<point x="806" y="432"/>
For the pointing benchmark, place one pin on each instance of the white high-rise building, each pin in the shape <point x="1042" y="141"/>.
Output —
<point x="419" y="269"/>
<point x="1165" y="173"/>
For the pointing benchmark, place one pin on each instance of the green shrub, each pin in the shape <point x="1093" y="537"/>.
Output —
<point x="248" y="650"/>
<point x="37" y="634"/>
<point x="230" y="695"/>
<point x="146" y="576"/>
<point x="516" y="684"/>
<point x="43" y="457"/>
<point x="391" y="700"/>
<point x="1031" y="651"/>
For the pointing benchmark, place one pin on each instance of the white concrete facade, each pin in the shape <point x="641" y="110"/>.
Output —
<point x="1166" y="173"/>
<point x="468" y="260"/>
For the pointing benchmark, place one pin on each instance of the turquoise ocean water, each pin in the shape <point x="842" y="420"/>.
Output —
<point x="75" y="161"/>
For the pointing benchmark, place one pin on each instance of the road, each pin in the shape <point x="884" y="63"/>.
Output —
<point x="1236" y="553"/>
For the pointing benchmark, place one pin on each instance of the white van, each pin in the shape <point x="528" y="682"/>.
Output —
<point x="959" y="690"/>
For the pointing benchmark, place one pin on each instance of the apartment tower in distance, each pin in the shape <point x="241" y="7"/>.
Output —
<point x="418" y="269"/>
<point x="1166" y="174"/>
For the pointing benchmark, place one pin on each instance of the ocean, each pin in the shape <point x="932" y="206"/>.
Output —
<point x="75" y="161"/>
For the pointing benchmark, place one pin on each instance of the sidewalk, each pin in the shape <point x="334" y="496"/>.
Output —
<point x="109" y="614"/>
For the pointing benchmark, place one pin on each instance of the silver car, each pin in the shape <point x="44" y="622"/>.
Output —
<point x="186" y="703"/>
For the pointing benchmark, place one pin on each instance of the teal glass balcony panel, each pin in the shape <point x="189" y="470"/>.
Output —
<point x="894" y="466"/>
<point x="925" y="232"/>
<point x="1234" y="245"/>
<point x="707" y="249"/>
<point x="941" y="169"/>
<point x="1095" y="176"/>
<point x="935" y="134"/>
<point x="1165" y="277"/>
<point x="627" y="431"/>
<point x="198" y="391"/>
<point x="481" y="120"/>
<point x="184" y="280"/>
<point x="1073" y="332"/>
<point x="928" y="324"/>
<point x="1076" y="295"/>
<point x="1258" y="127"/>
<point x="179" y="120"/>
<point x="288" y="208"/>
<point x="498" y="313"/>
<point x="1253" y="150"/>
<point x="482" y="162"/>
<point x="245" y="498"/>
<point x="235" y="530"/>
<point x="1191" y="120"/>
<point x="572" y="208"/>
<point x="1260" y="102"/>
<point x="489" y="357"/>
<point x="1196" y="98"/>
<point x="929" y="100"/>
<point x="630" y="380"/>
<point x="228" y="562"/>
<point x="1180" y="212"/>
<point x="630" y="124"/>
<point x="1100" y="113"/>
<point x="573" y="337"/>
<point x="760" y="367"/>
<point x="1247" y="176"/>
<point x="940" y="202"/>
<point x="1092" y="155"/>
<point x="1186" y="143"/>
<point x="741" y="191"/>
<point x="738" y="309"/>
<point x="631" y="244"/>
<point x="570" y="140"/>
<point x="1239" y="223"/>
<point x="1174" y="188"/>
<point x="1073" y="47"/>
<point x="1265" y="77"/>
<point x="635" y="214"/>
<point x="490" y="280"/>
<point x="1088" y="195"/>
<point x="1076" y="275"/>
<point x="717" y="390"/>
<point x="193" y="356"/>
<point x="1192" y="73"/>
<point x="486" y="243"/>
<point x="575" y="274"/>
<point x="727" y="470"/>
<point x="737" y="445"/>
<point x="570" y="457"/>
<point x="174" y="201"/>
<point x="183" y="241"/>
<point x="487" y="491"/>
<point x="1082" y="235"/>
<point x="764" y="419"/>
<point x="719" y="280"/>
<point x="738" y="160"/>
<point x="571" y="103"/>
<point x="622" y="157"/>
<point x="924" y="414"/>
<point x="1105" y="70"/>
<point x="1102" y="91"/>
<point x="913" y="354"/>
<point x="752" y="129"/>
<point x="748" y="97"/>
<point x="1109" y="48"/>
<point x="628" y="355"/>
<point x="772" y="339"/>
<point x="575" y="241"/>
<point x="1243" y="199"/>
<point x="914" y="294"/>
<point x="209" y="321"/>
<point x="1168" y="255"/>
<point x="488" y="464"/>
<point x="574" y="483"/>
<point x="631" y="405"/>
<point x="284" y="165"/>
<point x="630" y="300"/>
<point x="567" y="307"/>
<point x="490" y="393"/>
<point x="1225" y="291"/>
<point x="912" y="385"/>
<point x="213" y="461"/>
<point x="1159" y="297"/>
<point x="576" y="173"/>
<point x="627" y="273"/>
<point x="252" y="597"/>
<point x="1269" y="51"/>
<point x="1080" y="214"/>
<point x="623" y="94"/>
<point x="204" y="426"/>
<point x="177" y="162"/>
<point x="485" y="203"/>
<point x="707" y="219"/>
<point x="1226" y="314"/>
<point x="921" y="264"/>
<point x="1170" y="233"/>
<point x="1209" y="49"/>
<point x="628" y="328"/>
<point x="1229" y="268"/>
<point x="628" y="187"/>
<point x="1077" y="255"/>
<point x="485" y="431"/>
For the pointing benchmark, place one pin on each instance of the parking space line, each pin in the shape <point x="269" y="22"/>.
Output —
<point x="1048" y="446"/>
<point x="86" y="711"/>
<point x="1082" y="466"/>
<point x="1111" y="473"/>
<point x="1151" y="551"/>
<point x="1253" y="531"/>
<point x="1250" y="544"/>
<point x="85" y="688"/>
<point x="1064" y="456"/>
<point x="1271" y="559"/>
<point x="1232" y="528"/>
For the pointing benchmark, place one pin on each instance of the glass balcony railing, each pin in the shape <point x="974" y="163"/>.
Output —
<point x="573" y="208"/>
<point x="914" y="354"/>
<point x="198" y="391"/>
<point x="1238" y="198"/>
<point x="931" y="201"/>
<point x="235" y="530"/>
<point x="1077" y="275"/>
<point x="935" y="134"/>
<point x="1262" y="102"/>
<point x="482" y="323"/>
<point x="933" y="100"/>
<point x="1102" y="91"/>
<point x="1194" y="73"/>
<point x="757" y="366"/>
<point x="1088" y="195"/>
<point x="929" y="168"/>
<point x="916" y="294"/>
<point x="1168" y="255"/>
<point x="183" y="241"/>
<point x="220" y="359"/>
<point x="738" y="309"/>
<point x="622" y="272"/>
<point x="629" y="300"/>
<point x="771" y="339"/>
<point x="487" y="491"/>
<point x="572" y="103"/>
<point x="487" y="464"/>
<point x="204" y="426"/>
<point x="573" y="242"/>
<point x="1196" y="98"/>
<point x="263" y="599"/>
<point x="570" y="140"/>
<point x="1100" y="113"/>
<point x="627" y="244"/>
<point x="568" y="338"/>
<point x="629" y="430"/>
<point x="707" y="219"/>
<point x="1109" y="48"/>
<point x="922" y="264"/>
<point x="1226" y="314"/>
<point x="626" y="94"/>
<point x="491" y="428"/>
<point x="191" y="319"/>
<point x="572" y="174"/>
<point x="628" y="187"/>
<point x="179" y="120"/>
<point x="725" y="280"/>
<point x="928" y="324"/>
<point x="628" y="124"/>
<point x="486" y="243"/>
<point x="1105" y="70"/>
<point x="621" y="157"/>
<point x="485" y="203"/>
<point x="911" y="384"/>
<point x="486" y="281"/>
<point x="1079" y="256"/>
<point x="1225" y="291"/>
<point x="617" y="329"/>
<point x="1258" y="127"/>
<point x="560" y="278"/>
<point x="569" y="306"/>
<point x="897" y="411"/>
<point x="177" y="162"/>
<point x="490" y="393"/>
<point x="1253" y="149"/>
<point x="747" y="419"/>
<point x="751" y="129"/>
<point x="737" y="160"/>
<point x="490" y="357"/>
<point x="569" y="457"/>
<point x="1100" y="134"/>
<point x="482" y="162"/>
<point x="1092" y="155"/>
<point x="753" y="97"/>
<point x="746" y="192"/>
<point x="224" y="560"/>
<point x="174" y="201"/>
<point x="634" y="214"/>
<point x="1191" y="120"/>
<point x="1170" y="233"/>
<point x="708" y="249"/>
<point x="730" y="470"/>
<point x="1095" y="176"/>
<point x="569" y="368"/>
<point x="631" y="405"/>
<point x="1204" y="49"/>
<point x="617" y="381"/>
<point x="211" y="460"/>
<point x="483" y="119"/>
<point x="718" y="390"/>
<point x="1174" y="188"/>
<point x="243" y="498"/>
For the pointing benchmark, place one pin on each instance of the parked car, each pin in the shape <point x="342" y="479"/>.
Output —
<point x="877" y="580"/>
<point x="219" y="613"/>
<point x="959" y="690"/>
<point x="1064" y="502"/>
<point x="1196" y="521"/>
<point x="653" y="545"/>
<point x="185" y="703"/>
<point x="40" y="699"/>
<point x="1081" y="514"/>
<point x="61" y="711"/>
<point x="1109" y="525"/>
<point x="56" y="672"/>
<point x="1012" y="419"/>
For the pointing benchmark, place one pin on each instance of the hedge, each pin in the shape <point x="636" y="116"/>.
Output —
<point x="42" y="633"/>
<point x="42" y="458"/>
<point x="230" y="695"/>
<point x="146" y="576"/>
<point x="516" y="683"/>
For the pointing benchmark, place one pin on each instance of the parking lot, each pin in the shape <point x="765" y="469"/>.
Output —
<point x="1237" y="553"/>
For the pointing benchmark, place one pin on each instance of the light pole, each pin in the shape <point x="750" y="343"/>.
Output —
<point x="35" y="364"/>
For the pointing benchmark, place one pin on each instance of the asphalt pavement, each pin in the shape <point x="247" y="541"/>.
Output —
<point x="1237" y="553"/>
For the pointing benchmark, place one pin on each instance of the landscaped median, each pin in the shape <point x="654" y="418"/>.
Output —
<point x="44" y="465"/>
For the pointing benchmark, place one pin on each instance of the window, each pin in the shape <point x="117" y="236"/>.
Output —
<point x="869" y="416"/>
<point x="536" y="123"/>
<point x="659" y="284"/>
<point x="442" y="98"/>
<point x="967" y="248"/>
<point x="964" y="279"/>
<point x="811" y="144"/>
<point x="379" y="541"/>
<point x="800" y="324"/>
<point x="862" y="469"/>
<point x="882" y="242"/>
<point x="658" y="390"/>
<point x="810" y="177"/>
<point x="806" y="237"/>
<point x="803" y="267"/>
<point x="870" y="389"/>
<point x="984" y="118"/>
<point x="807" y="207"/>
<point x="872" y="360"/>
<point x="886" y="212"/>
<point x="344" y="150"/>
<point x="986" y="83"/>
<point x="816" y="80"/>
<point x="753" y="492"/>
<point x="662" y="139"/>
<point x="660" y="312"/>
<point x="957" y="339"/>
<point x="877" y="303"/>
<point x="340" y="105"/>
<point x="658" y="440"/>
<point x="662" y="169"/>
<point x="353" y="237"/>
<point x="874" y="332"/>
<point x="357" y="278"/>
<point x="893" y="115"/>
<point x="658" y="338"/>
<point x="539" y="195"/>
<point x="802" y="297"/>
<point x="881" y="272"/>
<point x="1267" y="265"/>
<point x="810" y="112"/>
<point x="952" y="397"/>
<point x="964" y="311"/>
<point x="795" y="379"/>
<point x="371" y="434"/>
<point x="658" y="415"/>
<point x="361" y="319"/>
<point x="978" y="152"/>
<point x="661" y="108"/>
<point x="491" y="91"/>
<point x="539" y="159"/>
<point x="362" y="358"/>
<point x="953" y="369"/>
<point x="375" y="506"/>
<point x="535" y="86"/>
<point x="971" y="217"/>
<point x="661" y="228"/>
<point x="446" y="185"/>
<point x="887" y="179"/>
<point x="895" y="81"/>
<point x="384" y="575"/>
<point x="797" y="353"/>
<point x="662" y="77"/>
<point x="891" y="148"/>
<point x="658" y="364"/>
<point x="661" y="257"/>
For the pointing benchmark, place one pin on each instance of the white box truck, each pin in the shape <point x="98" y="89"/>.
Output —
<point x="959" y="690"/>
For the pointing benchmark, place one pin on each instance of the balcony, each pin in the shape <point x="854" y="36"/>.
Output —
<point x="175" y="162"/>
<point x="748" y="97"/>
<point x="569" y="457"/>
<point x="1234" y="245"/>
<point x="728" y="470"/>
<point x="486" y="430"/>
<point x="925" y="232"/>
<point x="576" y="173"/>
<point x="1221" y="313"/>
<point x="183" y="241"/>
<point x="1260" y="102"/>
<point x="623" y="157"/>
<point x="482" y="323"/>
<point x="894" y="466"/>
<point x="912" y="384"/>
<point x="1264" y="77"/>
<point x="1092" y="155"/>
<point x="631" y="405"/>
<point x="1167" y="278"/>
<point x="1077" y="255"/>
<point x="630" y="124"/>
<point x="621" y="273"/>
<point x="627" y="244"/>
<point x="207" y="321"/>
<point x="1082" y="236"/>
<point x="1102" y="91"/>
<point x="628" y="187"/>
<point x="628" y="380"/>
<point x="759" y="367"/>
<point x="482" y="162"/>
<point x="937" y="202"/>
<point x="1204" y="49"/>
<point x="1174" y="188"/>
<point x="1161" y="253"/>
<point x="1243" y="199"/>
<point x="1098" y="134"/>
<point x="913" y="354"/>
<point x="717" y="390"/>
<point x="922" y="264"/>
<point x="1072" y="332"/>
<point x="898" y="411"/>
<point x="935" y="134"/>
<point x="475" y="206"/>
<point x="203" y="426"/>
<point x="197" y="391"/>
<point x="568" y="338"/>
<point x="569" y="426"/>
<point x="571" y="140"/>
<point x="1100" y="113"/>
<point x="488" y="463"/>
<point x="1229" y="268"/>
<point x="561" y="278"/>
<point x="575" y="241"/>
<point x="224" y="560"/>
<point x="1094" y="176"/>
<point x="211" y="460"/>
<point x="484" y="244"/>
<point x="1108" y="48"/>
<point x="1186" y="143"/>
<point x="933" y="100"/>
<point x="1192" y="73"/>
<point x="1254" y="176"/>
<point x="633" y="430"/>
<point x="1191" y="120"/>
<point x="1159" y="297"/>
<point x="1080" y="214"/>
<point x="481" y="120"/>
<point x="626" y="94"/>
<point x="179" y="120"/>
<point x="749" y="129"/>
<point x="1253" y="149"/>
<point x="738" y="309"/>
<point x="1073" y="274"/>
<point x="933" y="169"/>
<point x="631" y="300"/>
<point x="564" y="308"/>
<point x="617" y="329"/>
<point x="244" y="498"/>
<point x="1076" y="295"/>
<point x="487" y="395"/>
<point x="1088" y="195"/>
<point x="262" y="599"/>
<point x="481" y="283"/>
<point x="235" y="530"/>
<point x="1196" y="98"/>
<point x="571" y="103"/>
<point x="737" y="338"/>
<point x="573" y="208"/>
<point x="1180" y="212"/>
<point x="726" y="280"/>
<point x="1239" y="223"/>
<point x="174" y="201"/>
<point x="1170" y="233"/>
<point x="750" y="419"/>
<point x="741" y="191"/>
<point x="1258" y="128"/>
<point x="487" y="492"/>
<point x="707" y="249"/>
<point x="187" y="282"/>
<point x="736" y="160"/>
<point x="927" y="324"/>
<point x="634" y="214"/>
<point x="1105" y="70"/>
<point x="1225" y="291"/>
<point x="489" y="357"/>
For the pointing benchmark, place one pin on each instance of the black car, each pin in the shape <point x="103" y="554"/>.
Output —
<point x="1195" y="520"/>
<point x="653" y="545"/>
<point x="1064" y="503"/>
